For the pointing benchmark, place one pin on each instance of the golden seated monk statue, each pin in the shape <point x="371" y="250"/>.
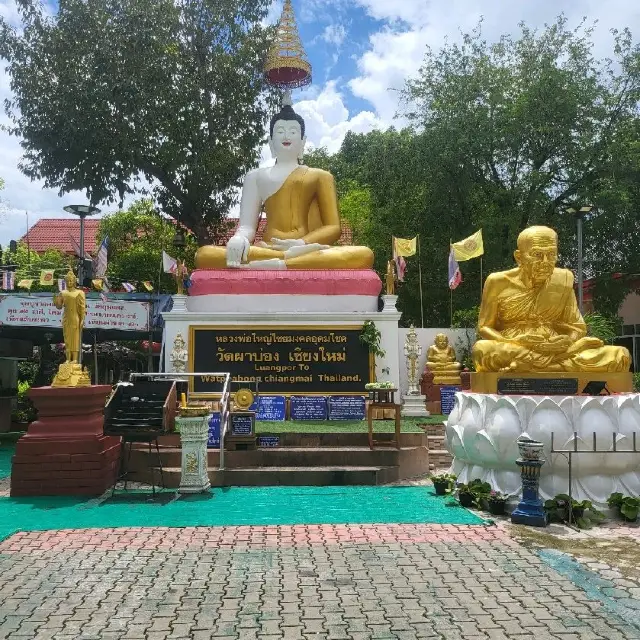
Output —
<point x="301" y="210"/>
<point x="441" y="361"/>
<point x="529" y="319"/>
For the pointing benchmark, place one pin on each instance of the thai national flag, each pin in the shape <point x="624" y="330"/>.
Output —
<point x="101" y="259"/>
<point x="128" y="287"/>
<point x="455" y="277"/>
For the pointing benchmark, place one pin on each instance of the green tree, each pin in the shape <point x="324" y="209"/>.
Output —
<point x="137" y="237"/>
<point x="110" y="91"/>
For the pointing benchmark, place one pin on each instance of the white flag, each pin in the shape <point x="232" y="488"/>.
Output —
<point x="169" y="264"/>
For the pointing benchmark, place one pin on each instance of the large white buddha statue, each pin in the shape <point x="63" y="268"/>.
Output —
<point x="301" y="209"/>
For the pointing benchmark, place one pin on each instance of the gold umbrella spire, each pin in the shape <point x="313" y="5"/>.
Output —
<point x="287" y="66"/>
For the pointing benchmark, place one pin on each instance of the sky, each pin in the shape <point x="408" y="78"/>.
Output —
<point x="361" y="51"/>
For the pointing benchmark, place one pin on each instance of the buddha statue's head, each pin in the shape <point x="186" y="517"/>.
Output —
<point x="537" y="253"/>
<point x="287" y="135"/>
<point x="71" y="281"/>
<point x="441" y="341"/>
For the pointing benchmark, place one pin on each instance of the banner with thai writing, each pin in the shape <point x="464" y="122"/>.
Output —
<point x="284" y="360"/>
<point x="36" y="311"/>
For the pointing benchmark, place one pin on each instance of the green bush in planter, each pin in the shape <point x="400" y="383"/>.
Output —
<point x="443" y="482"/>
<point x="584" y="514"/>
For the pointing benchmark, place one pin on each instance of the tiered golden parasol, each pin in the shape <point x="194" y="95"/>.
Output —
<point x="287" y="66"/>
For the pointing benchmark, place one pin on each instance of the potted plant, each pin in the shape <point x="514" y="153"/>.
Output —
<point x="443" y="483"/>
<point x="465" y="495"/>
<point x="496" y="503"/>
<point x="628" y="506"/>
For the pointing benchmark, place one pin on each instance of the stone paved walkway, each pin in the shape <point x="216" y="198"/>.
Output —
<point x="333" y="582"/>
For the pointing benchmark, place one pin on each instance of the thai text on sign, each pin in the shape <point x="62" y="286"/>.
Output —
<point x="282" y="360"/>
<point x="32" y="311"/>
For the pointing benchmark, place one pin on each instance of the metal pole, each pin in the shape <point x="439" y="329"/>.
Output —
<point x="81" y="267"/>
<point x="420" y="280"/>
<point x="580" y="274"/>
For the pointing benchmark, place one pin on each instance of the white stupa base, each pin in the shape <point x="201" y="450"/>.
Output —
<point x="413" y="406"/>
<point x="482" y="431"/>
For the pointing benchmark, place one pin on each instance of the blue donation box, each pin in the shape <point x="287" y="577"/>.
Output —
<point x="308" y="408"/>
<point x="346" y="407"/>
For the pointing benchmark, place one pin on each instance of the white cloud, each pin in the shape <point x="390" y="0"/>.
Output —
<point x="396" y="51"/>
<point x="334" y="34"/>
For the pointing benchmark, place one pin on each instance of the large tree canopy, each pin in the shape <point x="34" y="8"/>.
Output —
<point x="108" y="91"/>
<point x="503" y="135"/>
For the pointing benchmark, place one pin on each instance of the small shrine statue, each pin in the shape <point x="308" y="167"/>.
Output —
<point x="179" y="356"/>
<point x="181" y="274"/>
<point x="73" y="303"/>
<point x="390" y="279"/>
<point x="412" y="352"/>
<point x="441" y="361"/>
<point x="529" y="318"/>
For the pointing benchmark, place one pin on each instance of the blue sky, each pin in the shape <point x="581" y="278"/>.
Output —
<point x="362" y="52"/>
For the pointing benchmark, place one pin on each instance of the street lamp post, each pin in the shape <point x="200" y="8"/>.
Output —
<point x="580" y="214"/>
<point x="82" y="211"/>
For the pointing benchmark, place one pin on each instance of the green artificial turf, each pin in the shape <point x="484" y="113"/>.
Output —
<point x="232" y="506"/>
<point x="6" y="453"/>
<point x="408" y="425"/>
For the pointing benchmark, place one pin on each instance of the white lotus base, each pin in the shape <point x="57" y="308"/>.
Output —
<point x="482" y="431"/>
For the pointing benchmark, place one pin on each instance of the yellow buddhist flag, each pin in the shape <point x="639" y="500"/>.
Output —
<point x="147" y="285"/>
<point x="97" y="284"/>
<point x="404" y="247"/>
<point x="471" y="247"/>
<point x="46" y="277"/>
<point x="25" y="283"/>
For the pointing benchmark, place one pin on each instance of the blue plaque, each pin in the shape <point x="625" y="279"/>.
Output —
<point x="346" y="407"/>
<point x="241" y="424"/>
<point x="448" y="399"/>
<point x="270" y="408"/>
<point x="214" y="431"/>
<point x="268" y="442"/>
<point x="308" y="408"/>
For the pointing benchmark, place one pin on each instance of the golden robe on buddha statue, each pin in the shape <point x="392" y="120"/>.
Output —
<point x="301" y="209"/>
<point x="529" y="319"/>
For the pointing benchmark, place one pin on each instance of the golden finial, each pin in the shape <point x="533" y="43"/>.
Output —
<point x="287" y="66"/>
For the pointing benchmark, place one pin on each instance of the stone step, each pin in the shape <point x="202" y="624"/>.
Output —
<point x="321" y="439"/>
<point x="439" y="459"/>
<point x="290" y="476"/>
<point x="435" y="429"/>
<point x="284" y="457"/>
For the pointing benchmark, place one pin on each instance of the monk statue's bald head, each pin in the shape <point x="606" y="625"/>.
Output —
<point x="537" y="254"/>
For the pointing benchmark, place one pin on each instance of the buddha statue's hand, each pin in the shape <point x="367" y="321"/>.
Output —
<point x="284" y="245"/>
<point x="237" y="250"/>
<point x="588" y="342"/>
<point x="300" y="251"/>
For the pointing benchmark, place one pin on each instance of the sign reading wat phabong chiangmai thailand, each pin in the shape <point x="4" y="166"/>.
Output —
<point x="284" y="360"/>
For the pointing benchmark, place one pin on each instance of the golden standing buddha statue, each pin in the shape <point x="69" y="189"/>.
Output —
<point x="529" y="319"/>
<point x="301" y="209"/>
<point x="441" y="360"/>
<point x="72" y="301"/>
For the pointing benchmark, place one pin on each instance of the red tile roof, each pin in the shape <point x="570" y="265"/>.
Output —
<point x="61" y="233"/>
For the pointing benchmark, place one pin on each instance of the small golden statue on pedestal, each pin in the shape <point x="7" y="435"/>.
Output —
<point x="441" y="361"/>
<point x="72" y="301"/>
<point x="390" y="279"/>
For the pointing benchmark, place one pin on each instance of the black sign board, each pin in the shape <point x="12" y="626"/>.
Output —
<point x="538" y="386"/>
<point x="346" y="408"/>
<point x="282" y="360"/>
<point x="448" y="399"/>
<point x="213" y="441"/>
<point x="308" y="408"/>
<point x="242" y="423"/>
<point x="268" y="442"/>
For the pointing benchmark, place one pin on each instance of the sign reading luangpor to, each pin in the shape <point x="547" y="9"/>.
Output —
<point x="287" y="360"/>
<point x="36" y="311"/>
